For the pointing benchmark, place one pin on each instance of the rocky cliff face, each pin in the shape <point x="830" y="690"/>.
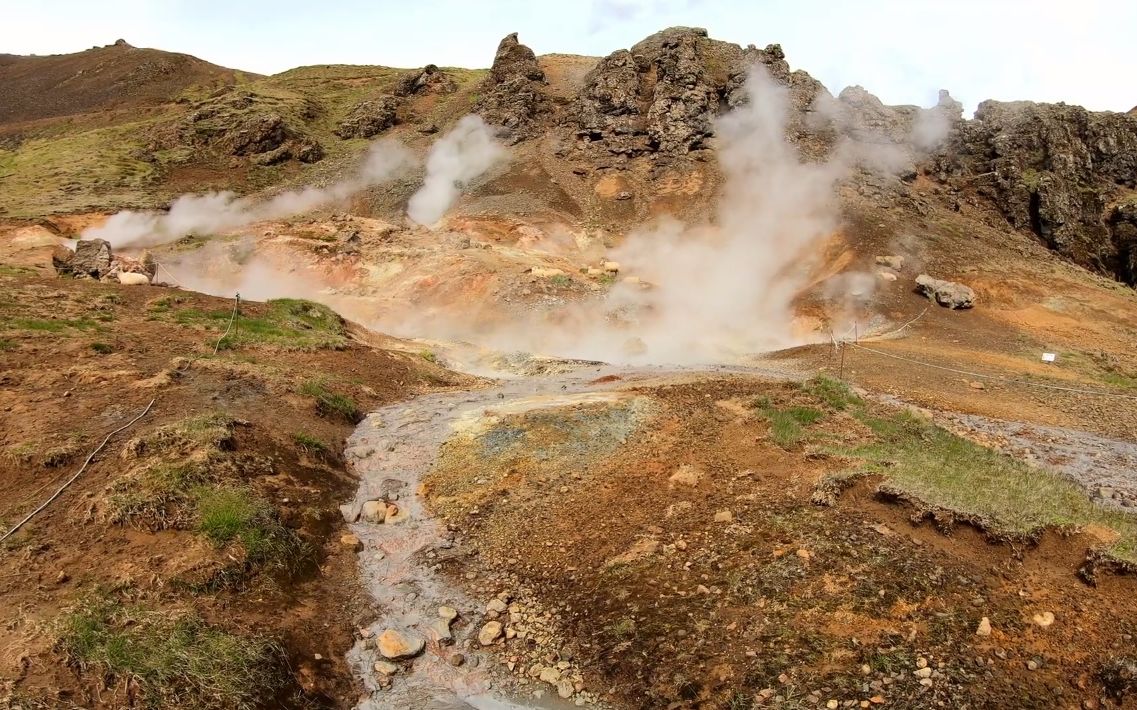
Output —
<point x="1063" y="173"/>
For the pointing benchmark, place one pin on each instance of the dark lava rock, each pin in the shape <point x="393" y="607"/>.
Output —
<point x="512" y="95"/>
<point x="369" y="118"/>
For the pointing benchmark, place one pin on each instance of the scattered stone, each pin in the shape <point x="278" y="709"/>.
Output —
<point x="833" y="704"/>
<point x="923" y="673"/>
<point x="921" y="662"/>
<point x="896" y="262"/>
<point x="447" y="613"/>
<point x="724" y="516"/>
<point x="946" y="293"/>
<point x="1044" y="619"/>
<point x="984" y="628"/>
<point x="565" y="689"/>
<point x="549" y="675"/>
<point x="804" y="554"/>
<point x="395" y="644"/>
<point x="1032" y="665"/>
<point x="352" y="542"/>
<point x="350" y="512"/>
<point x="386" y="668"/>
<point x="457" y="659"/>
<point x="440" y="629"/>
<point x="490" y="632"/>
<point x="497" y="606"/>
<point x="686" y="475"/>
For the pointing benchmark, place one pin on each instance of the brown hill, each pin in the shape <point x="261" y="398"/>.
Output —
<point x="114" y="76"/>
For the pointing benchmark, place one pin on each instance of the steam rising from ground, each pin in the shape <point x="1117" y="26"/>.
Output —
<point x="215" y="212"/>
<point x="461" y="155"/>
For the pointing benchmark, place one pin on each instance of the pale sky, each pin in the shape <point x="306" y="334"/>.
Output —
<point x="902" y="50"/>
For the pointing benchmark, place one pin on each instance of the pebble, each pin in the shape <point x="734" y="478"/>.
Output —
<point x="833" y="704"/>
<point x="1032" y="665"/>
<point x="923" y="672"/>
<point x="565" y="689"/>
<point x="396" y="644"/>
<point x="447" y="613"/>
<point x="1044" y="619"/>
<point x="351" y="542"/>
<point x="497" y="606"/>
<point x="457" y="659"/>
<point x="921" y="662"/>
<point x="490" y="632"/>
<point x="984" y="628"/>
<point x="386" y="668"/>
<point x="374" y="511"/>
<point x="724" y="516"/>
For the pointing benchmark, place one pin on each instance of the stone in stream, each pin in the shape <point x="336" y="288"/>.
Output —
<point x="490" y="632"/>
<point x="440" y="629"/>
<point x="395" y="644"/>
<point x="386" y="668"/>
<point x="374" y="511"/>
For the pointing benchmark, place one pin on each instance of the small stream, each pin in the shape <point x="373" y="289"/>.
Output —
<point x="392" y="450"/>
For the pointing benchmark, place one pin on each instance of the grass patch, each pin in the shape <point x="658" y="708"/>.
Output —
<point x="231" y="516"/>
<point x="332" y="404"/>
<point x="160" y="497"/>
<point x="177" y="660"/>
<point x="210" y="431"/>
<point x="286" y="324"/>
<point x="561" y="280"/>
<point x="7" y="345"/>
<point x="429" y="356"/>
<point x="309" y="444"/>
<point x="833" y="392"/>
<point x="102" y="348"/>
<point x="947" y="471"/>
<point x="44" y="325"/>
<point x="787" y="426"/>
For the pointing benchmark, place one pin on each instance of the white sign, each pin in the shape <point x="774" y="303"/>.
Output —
<point x="1049" y="357"/>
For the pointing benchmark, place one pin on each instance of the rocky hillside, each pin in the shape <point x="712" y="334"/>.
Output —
<point x="611" y="141"/>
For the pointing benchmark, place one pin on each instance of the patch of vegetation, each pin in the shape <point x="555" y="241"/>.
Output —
<point x="787" y="426"/>
<point x="9" y="270"/>
<point x="177" y="660"/>
<point x="833" y="392"/>
<point x="210" y="431"/>
<point x="160" y="497"/>
<point x="228" y="516"/>
<point x="429" y="356"/>
<point x="561" y="280"/>
<point x="44" y="325"/>
<point x="309" y="444"/>
<point x="7" y="345"/>
<point x="287" y="324"/>
<point x="947" y="471"/>
<point x="332" y="404"/>
<point x="102" y="348"/>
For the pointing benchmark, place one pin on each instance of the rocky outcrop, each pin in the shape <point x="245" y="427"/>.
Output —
<point x="428" y="80"/>
<point x="369" y="118"/>
<point x="512" y="95"/>
<point x="948" y="294"/>
<point x="1055" y="170"/>
<point x="251" y="126"/>
<point x="1123" y="232"/>
<point x="661" y="97"/>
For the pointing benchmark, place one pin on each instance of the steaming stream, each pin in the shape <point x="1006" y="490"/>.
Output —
<point x="391" y="450"/>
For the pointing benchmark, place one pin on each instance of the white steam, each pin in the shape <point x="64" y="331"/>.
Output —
<point x="215" y="212"/>
<point x="460" y="156"/>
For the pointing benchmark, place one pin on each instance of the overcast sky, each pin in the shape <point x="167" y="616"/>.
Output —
<point x="902" y="50"/>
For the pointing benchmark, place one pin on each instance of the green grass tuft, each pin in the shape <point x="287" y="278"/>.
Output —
<point x="833" y="392"/>
<point x="228" y="516"/>
<point x="787" y="426"/>
<point x="287" y="324"/>
<point x="102" y="348"/>
<point x="332" y="404"/>
<point x="177" y="660"/>
<point x="429" y="356"/>
<point x="309" y="444"/>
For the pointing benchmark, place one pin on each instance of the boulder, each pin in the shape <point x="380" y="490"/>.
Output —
<point x="369" y="118"/>
<point x="489" y="633"/>
<point x="62" y="259"/>
<point x="92" y="258"/>
<point x="946" y="293"/>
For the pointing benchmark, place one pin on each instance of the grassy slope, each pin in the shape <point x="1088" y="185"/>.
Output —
<point x="104" y="161"/>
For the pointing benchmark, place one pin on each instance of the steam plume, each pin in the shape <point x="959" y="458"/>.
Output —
<point x="461" y="155"/>
<point x="221" y="211"/>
